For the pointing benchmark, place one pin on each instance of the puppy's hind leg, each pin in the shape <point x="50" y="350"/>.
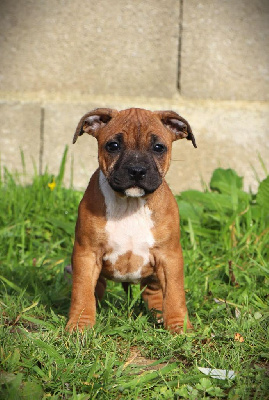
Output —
<point x="127" y="287"/>
<point x="100" y="288"/>
<point x="153" y="297"/>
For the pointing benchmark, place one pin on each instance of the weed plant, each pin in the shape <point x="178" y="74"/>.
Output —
<point x="225" y="238"/>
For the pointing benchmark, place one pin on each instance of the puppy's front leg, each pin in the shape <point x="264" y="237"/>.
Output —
<point x="83" y="304"/>
<point x="171" y="275"/>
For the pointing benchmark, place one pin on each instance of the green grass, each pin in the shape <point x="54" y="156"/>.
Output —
<point x="225" y="237"/>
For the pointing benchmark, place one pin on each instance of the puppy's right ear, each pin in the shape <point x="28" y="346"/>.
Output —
<point x="93" y="121"/>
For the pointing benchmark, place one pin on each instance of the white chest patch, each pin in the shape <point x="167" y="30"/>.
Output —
<point x="128" y="227"/>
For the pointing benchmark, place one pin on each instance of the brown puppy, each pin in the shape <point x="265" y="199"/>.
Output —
<point x="128" y="222"/>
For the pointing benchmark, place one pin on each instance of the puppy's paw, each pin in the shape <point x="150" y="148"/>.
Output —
<point x="79" y="324"/>
<point x="178" y="328"/>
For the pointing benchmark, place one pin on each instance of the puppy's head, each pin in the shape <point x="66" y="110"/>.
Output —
<point x="134" y="146"/>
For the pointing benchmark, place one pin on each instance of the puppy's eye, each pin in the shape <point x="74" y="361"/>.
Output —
<point x="159" y="148"/>
<point x="112" y="147"/>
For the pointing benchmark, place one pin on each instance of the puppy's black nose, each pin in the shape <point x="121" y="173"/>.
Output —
<point x="137" y="173"/>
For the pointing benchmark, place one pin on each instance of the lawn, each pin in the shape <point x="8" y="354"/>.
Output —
<point x="225" y="237"/>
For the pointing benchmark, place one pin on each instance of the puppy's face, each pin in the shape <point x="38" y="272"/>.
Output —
<point x="134" y="146"/>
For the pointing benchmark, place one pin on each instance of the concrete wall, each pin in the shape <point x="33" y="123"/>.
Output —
<point x="92" y="47"/>
<point x="207" y="60"/>
<point x="226" y="44"/>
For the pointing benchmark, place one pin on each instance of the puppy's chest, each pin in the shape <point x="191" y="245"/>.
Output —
<point x="129" y="239"/>
<point x="130" y="233"/>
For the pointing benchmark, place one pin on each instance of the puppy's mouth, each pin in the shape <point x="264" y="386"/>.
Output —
<point x="134" y="191"/>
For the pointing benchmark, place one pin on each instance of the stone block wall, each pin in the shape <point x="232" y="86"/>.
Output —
<point x="207" y="60"/>
<point x="225" y="50"/>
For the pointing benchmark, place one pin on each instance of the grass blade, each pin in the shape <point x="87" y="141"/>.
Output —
<point x="60" y="175"/>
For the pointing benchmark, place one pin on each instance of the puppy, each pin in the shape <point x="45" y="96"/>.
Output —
<point x="128" y="222"/>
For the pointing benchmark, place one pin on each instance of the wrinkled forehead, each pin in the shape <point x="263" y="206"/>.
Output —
<point x="135" y="125"/>
<point x="136" y="117"/>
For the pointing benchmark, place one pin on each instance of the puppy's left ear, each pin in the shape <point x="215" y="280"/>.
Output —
<point x="93" y="121"/>
<point x="179" y="127"/>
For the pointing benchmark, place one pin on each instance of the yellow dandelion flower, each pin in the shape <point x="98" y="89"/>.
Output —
<point x="52" y="185"/>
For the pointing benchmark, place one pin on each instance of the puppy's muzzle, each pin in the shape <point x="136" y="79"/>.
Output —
<point x="135" y="174"/>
